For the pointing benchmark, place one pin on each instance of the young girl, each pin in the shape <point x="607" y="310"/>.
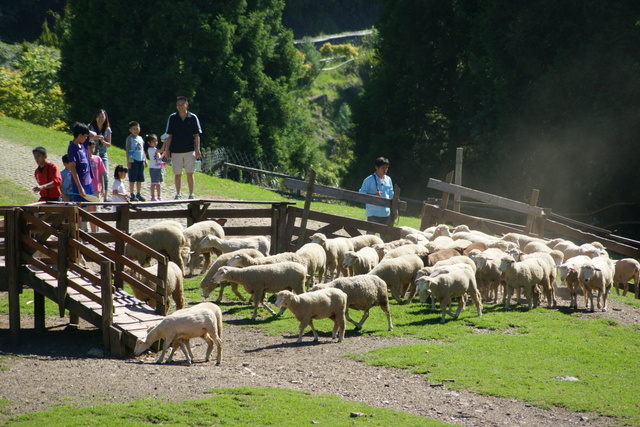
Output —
<point x="97" y="171"/>
<point x="120" y="193"/>
<point x="155" y="172"/>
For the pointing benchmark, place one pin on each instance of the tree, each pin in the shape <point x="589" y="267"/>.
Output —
<point x="232" y="59"/>
<point x="540" y="95"/>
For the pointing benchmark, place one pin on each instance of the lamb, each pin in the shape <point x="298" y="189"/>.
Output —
<point x="261" y="243"/>
<point x="202" y="320"/>
<point x="550" y="266"/>
<point x="245" y="260"/>
<point x="440" y="255"/>
<point x="364" y="240"/>
<point x="399" y="274"/>
<point x="360" y="262"/>
<point x="164" y="238"/>
<point x="597" y="275"/>
<point x="257" y="280"/>
<point x="194" y="235"/>
<point x="440" y="230"/>
<point x="625" y="270"/>
<point x="207" y="284"/>
<point x="363" y="292"/>
<point x="569" y="274"/>
<point x="325" y="303"/>
<point x="174" y="285"/>
<point x="526" y="274"/>
<point x="454" y="281"/>
<point x="315" y="259"/>
<point x="427" y="271"/>
<point x="335" y="249"/>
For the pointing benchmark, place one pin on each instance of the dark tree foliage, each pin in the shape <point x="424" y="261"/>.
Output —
<point x="232" y="59"/>
<point x="542" y="94"/>
<point x="308" y="18"/>
<point x="21" y="20"/>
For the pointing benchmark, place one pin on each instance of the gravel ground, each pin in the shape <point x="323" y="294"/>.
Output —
<point x="65" y="365"/>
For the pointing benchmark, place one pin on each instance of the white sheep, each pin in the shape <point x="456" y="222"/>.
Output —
<point x="527" y="274"/>
<point x="625" y="270"/>
<point x="315" y="259"/>
<point x="325" y="303"/>
<point x="569" y="275"/>
<point x="174" y="285"/>
<point x="335" y="249"/>
<point x="194" y="235"/>
<point x="551" y="270"/>
<point x="202" y="320"/>
<point x="207" y="284"/>
<point x="258" y="280"/>
<point x="383" y="248"/>
<point x="449" y="282"/>
<point x="360" y="262"/>
<point x="363" y="292"/>
<point x="404" y="250"/>
<point x="597" y="275"/>
<point x="399" y="275"/>
<point x="225" y="245"/>
<point x="164" y="238"/>
<point x="364" y="240"/>
<point x="488" y="274"/>
<point x="245" y="260"/>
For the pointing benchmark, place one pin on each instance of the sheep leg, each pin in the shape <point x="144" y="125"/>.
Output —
<point x="508" y="297"/>
<point x="461" y="305"/>
<point x="365" y="316"/>
<point x="604" y="298"/>
<point x="303" y="324"/>
<point x="413" y="288"/>
<point x="339" y="324"/>
<point x="257" y="299"/>
<point x="433" y="303"/>
<point x="234" y="288"/>
<point x="590" y="296"/>
<point x="208" y="337"/>
<point x="477" y="300"/>
<point x="265" y="305"/>
<point x="444" y="306"/>
<point x="165" y="346"/>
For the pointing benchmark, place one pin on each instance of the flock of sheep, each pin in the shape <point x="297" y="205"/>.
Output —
<point x="328" y="276"/>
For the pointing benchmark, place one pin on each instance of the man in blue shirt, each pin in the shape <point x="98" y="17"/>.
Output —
<point x="380" y="184"/>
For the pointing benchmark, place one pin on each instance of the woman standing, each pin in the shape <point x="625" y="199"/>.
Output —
<point x="100" y="125"/>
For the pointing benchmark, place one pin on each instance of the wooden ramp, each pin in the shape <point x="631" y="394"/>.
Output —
<point x="131" y="317"/>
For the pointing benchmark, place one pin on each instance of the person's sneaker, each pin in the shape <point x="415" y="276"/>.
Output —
<point x="153" y="199"/>
<point x="178" y="197"/>
<point x="133" y="198"/>
<point x="159" y="198"/>
<point x="192" y="196"/>
<point x="140" y="198"/>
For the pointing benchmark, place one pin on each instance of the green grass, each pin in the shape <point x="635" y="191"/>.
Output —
<point x="15" y="195"/>
<point x="230" y="407"/>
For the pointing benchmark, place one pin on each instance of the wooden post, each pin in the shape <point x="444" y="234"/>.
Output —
<point x="278" y="228"/>
<point x="163" y="269"/>
<point x="425" y="217"/>
<point x="394" y="211"/>
<point x="531" y="219"/>
<point x="38" y="312"/>
<point x="458" y="178"/>
<point x="307" y="207"/>
<point x="122" y="224"/>
<point x="445" y="196"/>
<point x="107" y="304"/>
<point x="12" y="260"/>
<point x="63" y="266"/>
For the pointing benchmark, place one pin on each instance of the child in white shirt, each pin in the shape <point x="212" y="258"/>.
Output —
<point x="119" y="192"/>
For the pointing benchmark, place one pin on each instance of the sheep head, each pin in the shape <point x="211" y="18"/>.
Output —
<point x="283" y="298"/>
<point x="424" y="288"/>
<point x="506" y="261"/>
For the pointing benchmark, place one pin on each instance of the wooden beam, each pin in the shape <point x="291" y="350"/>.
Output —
<point x="491" y="199"/>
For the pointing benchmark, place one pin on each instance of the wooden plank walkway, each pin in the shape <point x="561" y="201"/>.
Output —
<point x="131" y="317"/>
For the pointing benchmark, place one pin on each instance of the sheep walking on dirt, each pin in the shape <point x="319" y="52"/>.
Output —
<point x="527" y="274"/>
<point x="399" y="275"/>
<point x="194" y="235"/>
<point x="258" y="280"/>
<point x="363" y="292"/>
<point x="335" y="249"/>
<point x="202" y="320"/>
<point x="174" y="285"/>
<point x="625" y="270"/>
<point x="360" y="262"/>
<point x="448" y="283"/>
<point x="325" y="303"/>
<point x="569" y="275"/>
<point x="315" y="259"/>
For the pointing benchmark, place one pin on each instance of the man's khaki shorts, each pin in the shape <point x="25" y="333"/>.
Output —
<point x="183" y="160"/>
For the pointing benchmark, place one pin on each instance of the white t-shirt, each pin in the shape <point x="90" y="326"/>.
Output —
<point x="118" y="187"/>
<point x="153" y="158"/>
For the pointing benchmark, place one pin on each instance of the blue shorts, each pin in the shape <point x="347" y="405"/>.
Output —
<point x="136" y="172"/>
<point x="88" y="189"/>
<point x="155" y="174"/>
